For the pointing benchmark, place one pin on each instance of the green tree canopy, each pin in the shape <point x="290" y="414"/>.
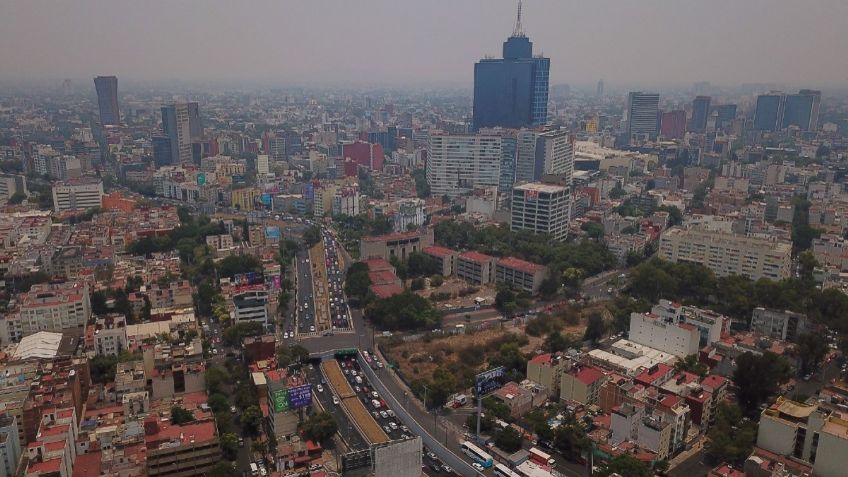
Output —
<point x="732" y="437"/>
<point x="404" y="311"/>
<point x="180" y="415"/>
<point x="757" y="378"/>
<point x="319" y="427"/>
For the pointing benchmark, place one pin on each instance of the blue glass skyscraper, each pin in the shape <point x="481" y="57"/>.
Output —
<point x="512" y="91"/>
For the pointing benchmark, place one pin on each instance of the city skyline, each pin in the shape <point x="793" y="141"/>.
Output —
<point x="433" y="42"/>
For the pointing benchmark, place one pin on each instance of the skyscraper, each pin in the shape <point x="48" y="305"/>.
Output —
<point x="458" y="164"/>
<point x="673" y="124"/>
<point x="769" y="113"/>
<point x="599" y="90"/>
<point x="512" y="91"/>
<point x="554" y="154"/>
<point x="642" y="111"/>
<point x="726" y="114"/>
<point x="176" y="125"/>
<point x="195" y="126"/>
<point x="700" y="113"/>
<point x="802" y="110"/>
<point x="107" y="99"/>
<point x="525" y="165"/>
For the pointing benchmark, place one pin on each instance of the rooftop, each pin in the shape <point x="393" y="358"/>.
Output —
<point x="475" y="256"/>
<point x="520" y="265"/>
<point x="540" y="187"/>
<point x="438" y="251"/>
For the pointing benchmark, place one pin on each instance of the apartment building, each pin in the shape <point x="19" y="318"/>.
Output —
<point x="10" y="446"/>
<point x="547" y="370"/>
<point x="47" y="307"/>
<point x="444" y="258"/>
<point x="398" y="245"/>
<point x="458" y="164"/>
<point x="678" y="339"/>
<point x="251" y="306"/>
<point x="782" y="325"/>
<point x="180" y="451"/>
<point x="77" y="194"/>
<point x="520" y="274"/>
<point x="475" y="267"/>
<point x="806" y="432"/>
<point x="728" y="254"/>
<point x="582" y="384"/>
<point x="541" y="208"/>
<point x="711" y="325"/>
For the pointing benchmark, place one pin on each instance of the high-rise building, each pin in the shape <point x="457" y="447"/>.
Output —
<point x="107" y="99"/>
<point x="525" y="165"/>
<point x="509" y="155"/>
<point x="642" y="111"/>
<point x="554" y="154"/>
<point x="512" y="91"/>
<point x="194" y="124"/>
<point x="769" y="113"/>
<point x="11" y="184"/>
<point x="10" y="445"/>
<point x="457" y="164"/>
<point x="599" y="89"/>
<point x="726" y="114"/>
<point x="700" y="113"/>
<point x="673" y="124"/>
<point x="541" y="208"/>
<point x="176" y="125"/>
<point x="161" y="151"/>
<point x="77" y="194"/>
<point x="802" y="110"/>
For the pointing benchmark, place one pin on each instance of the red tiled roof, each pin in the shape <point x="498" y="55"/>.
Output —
<point x="437" y="251"/>
<point x="377" y="264"/>
<point x="648" y="378"/>
<point x="386" y="291"/>
<point x="713" y="381"/>
<point x="46" y="467"/>
<point x="475" y="256"/>
<point x="385" y="277"/>
<point x="87" y="465"/>
<point x="589" y="375"/>
<point x="520" y="265"/>
<point x="542" y="358"/>
<point x="201" y="431"/>
<point x="391" y="237"/>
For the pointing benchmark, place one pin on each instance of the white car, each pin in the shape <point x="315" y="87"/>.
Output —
<point x="320" y="388"/>
<point x="477" y="466"/>
<point x="286" y="335"/>
<point x="336" y="400"/>
<point x="312" y="329"/>
<point x="393" y="425"/>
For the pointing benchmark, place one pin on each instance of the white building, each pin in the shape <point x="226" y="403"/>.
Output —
<point x="679" y="339"/>
<point x="410" y="213"/>
<point x="710" y="324"/>
<point x="262" y="164"/>
<point x="525" y="163"/>
<point x="458" y="164"/>
<point x="728" y="254"/>
<point x="554" y="154"/>
<point x="79" y="194"/>
<point x="782" y="325"/>
<point x="10" y="184"/>
<point x="47" y="308"/>
<point x="251" y="306"/>
<point x="541" y="208"/>
<point x="10" y="445"/>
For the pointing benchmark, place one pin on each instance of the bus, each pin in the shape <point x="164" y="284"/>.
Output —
<point x="477" y="455"/>
<point x="541" y="457"/>
<point x="504" y="471"/>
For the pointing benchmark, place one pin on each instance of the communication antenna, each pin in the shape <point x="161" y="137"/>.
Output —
<point x="518" y="31"/>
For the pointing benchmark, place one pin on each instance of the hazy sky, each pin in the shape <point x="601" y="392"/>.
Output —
<point x="400" y="41"/>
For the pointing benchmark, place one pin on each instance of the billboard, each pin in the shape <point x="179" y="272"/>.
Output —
<point x="488" y="381"/>
<point x="300" y="396"/>
<point x="272" y="232"/>
<point x="201" y="178"/>
<point x="266" y="199"/>
<point x="531" y="195"/>
<point x="308" y="191"/>
<point x="280" y="400"/>
<point x="238" y="179"/>
<point x="249" y="278"/>
<point x="277" y="285"/>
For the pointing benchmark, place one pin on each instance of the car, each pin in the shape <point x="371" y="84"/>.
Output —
<point x="477" y="467"/>
<point x="384" y="414"/>
<point x="357" y="389"/>
<point x="393" y="425"/>
<point x="312" y="329"/>
<point x="336" y="400"/>
<point x="431" y="455"/>
<point x="286" y="335"/>
<point x="404" y="428"/>
<point x="387" y="429"/>
<point x="447" y="469"/>
<point x="241" y="442"/>
<point x="347" y="372"/>
<point x="320" y="388"/>
<point x="374" y="413"/>
<point x="233" y="409"/>
<point x="375" y="395"/>
<point x="807" y="377"/>
<point x="391" y="413"/>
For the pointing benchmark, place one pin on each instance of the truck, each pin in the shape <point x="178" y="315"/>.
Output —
<point x="540" y="457"/>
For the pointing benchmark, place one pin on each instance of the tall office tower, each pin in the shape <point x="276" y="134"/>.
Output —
<point x="194" y="124"/>
<point x="700" y="113"/>
<point x="599" y="89"/>
<point x="554" y="154"/>
<point x="541" y="208"/>
<point x="176" y="125"/>
<point x="512" y="91"/>
<point x="726" y="114"/>
<point x="509" y="155"/>
<point x="107" y="99"/>
<point x="457" y="164"/>
<point x="162" y="151"/>
<point x="525" y="165"/>
<point x="802" y="110"/>
<point x="673" y="124"/>
<point x="769" y="113"/>
<point x="642" y="111"/>
<point x="67" y="87"/>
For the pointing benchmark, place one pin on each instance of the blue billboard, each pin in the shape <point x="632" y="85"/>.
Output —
<point x="300" y="396"/>
<point x="249" y="278"/>
<point x="201" y="179"/>
<point x="272" y="232"/>
<point x="266" y="199"/>
<point x="238" y="179"/>
<point x="489" y="381"/>
<point x="309" y="191"/>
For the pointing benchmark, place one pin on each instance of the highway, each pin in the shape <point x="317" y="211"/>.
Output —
<point x="348" y="432"/>
<point x="304" y="300"/>
<point x="361" y="417"/>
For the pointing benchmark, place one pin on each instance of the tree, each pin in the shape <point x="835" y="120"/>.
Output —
<point x="422" y="188"/>
<point x="103" y="368"/>
<point x="222" y="469"/>
<point x="487" y="422"/>
<point x="595" y="328"/>
<point x="508" y="439"/>
<point x="216" y="379"/>
<point x="234" y="264"/>
<point x="625" y="464"/>
<point x="570" y="439"/>
<point x="312" y="235"/>
<point x="218" y="403"/>
<point x="250" y="419"/>
<point x="442" y="386"/>
<point x="732" y="437"/>
<point x="691" y="364"/>
<point x="505" y="300"/>
<point x="675" y="216"/>
<point x="807" y="264"/>
<point x="357" y="281"/>
<point x="17" y="198"/>
<point x="404" y="311"/>
<point x="180" y="416"/>
<point x="811" y="349"/>
<point x="319" y="427"/>
<point x="616" y="192"/>
<point x="593" y="230"/>
<point x="229" y="444"/>
<point x="757" y="378"/>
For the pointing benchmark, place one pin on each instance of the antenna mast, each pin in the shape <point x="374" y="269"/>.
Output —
<point x="518" y="31"/>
